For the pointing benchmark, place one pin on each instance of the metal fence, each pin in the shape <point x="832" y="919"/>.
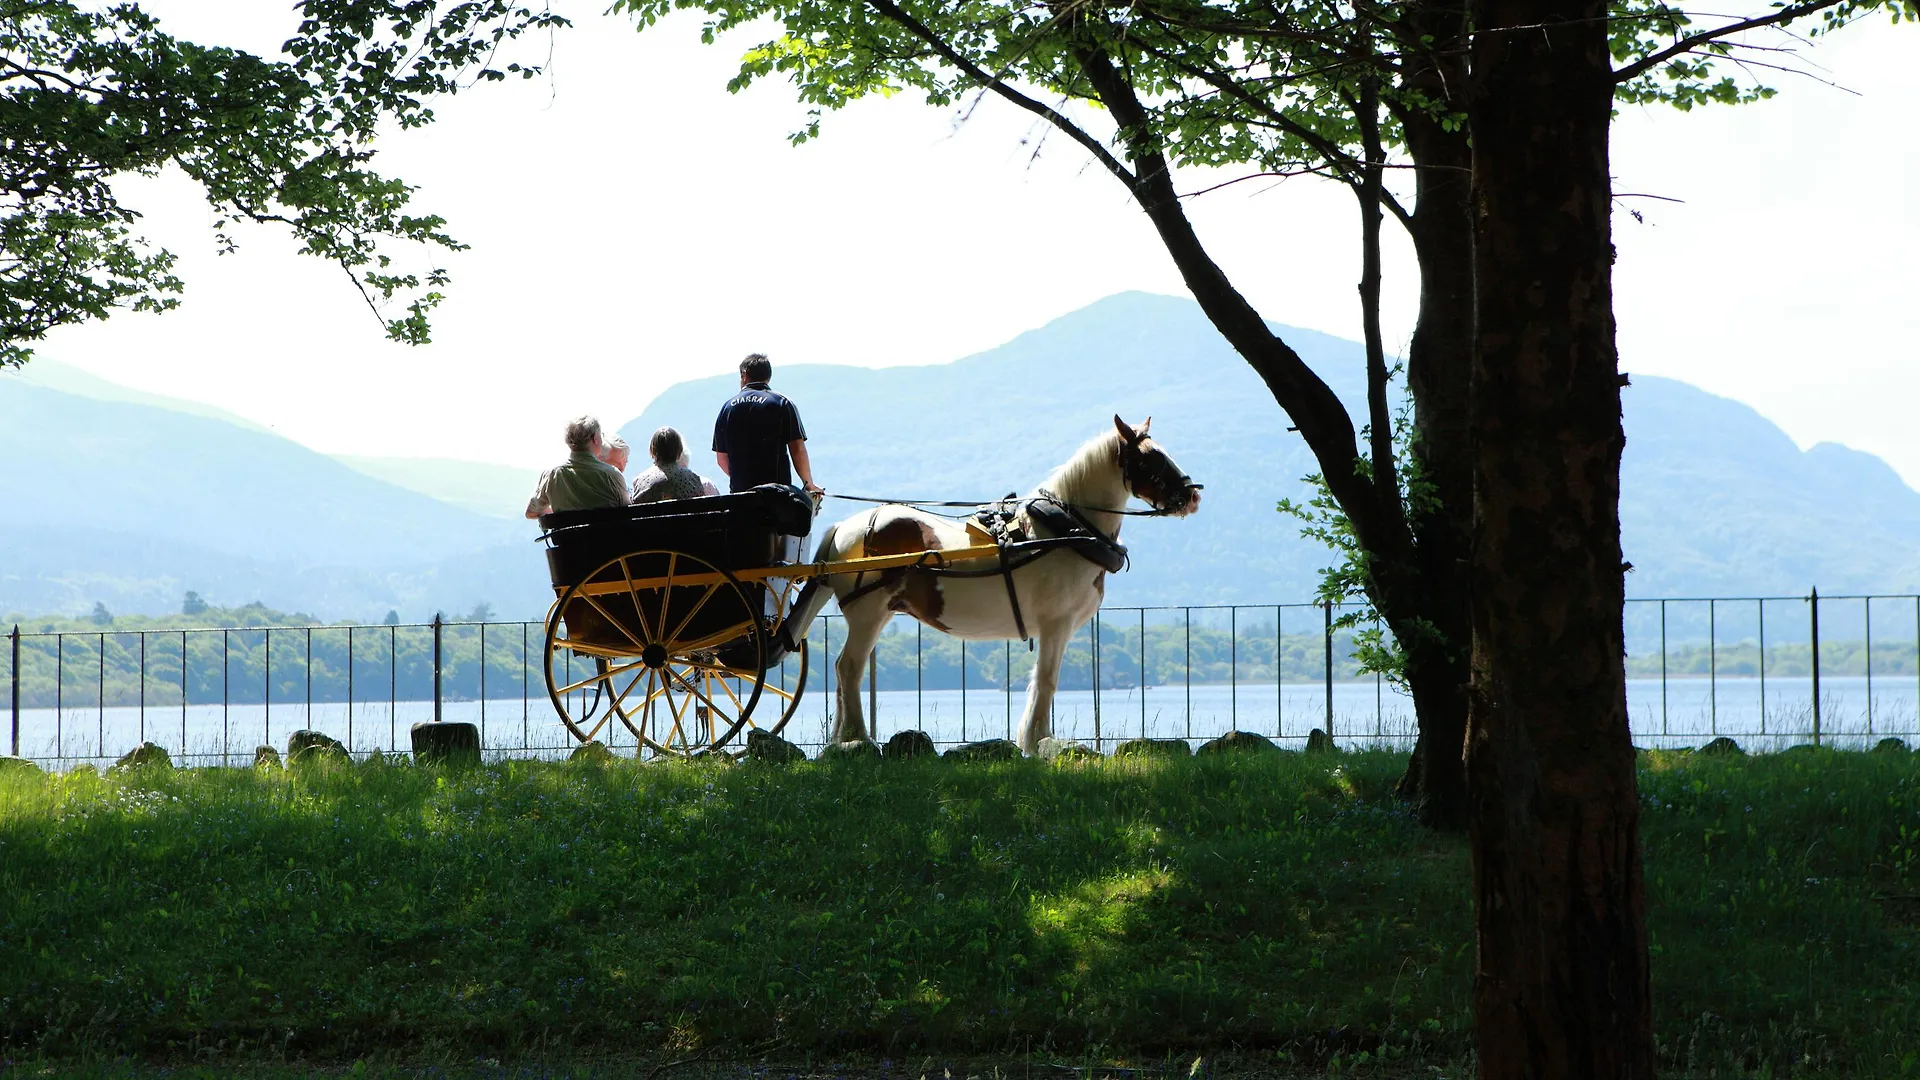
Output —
<point x="1698" y="668"/>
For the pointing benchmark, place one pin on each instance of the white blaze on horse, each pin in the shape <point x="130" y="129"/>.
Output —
<point x="1044" y="586"/>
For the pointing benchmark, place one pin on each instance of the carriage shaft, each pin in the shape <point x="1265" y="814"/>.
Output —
<point x="799" y="570"/>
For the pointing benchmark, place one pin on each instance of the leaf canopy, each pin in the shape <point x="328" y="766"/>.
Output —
<point x="88" y="94"/>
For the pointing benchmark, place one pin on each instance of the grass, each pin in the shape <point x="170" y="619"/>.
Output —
<point x="1280" y="911"/>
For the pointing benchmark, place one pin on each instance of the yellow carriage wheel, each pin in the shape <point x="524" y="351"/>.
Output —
<point x="716" y="719"/>
<point x="676" y="646"/>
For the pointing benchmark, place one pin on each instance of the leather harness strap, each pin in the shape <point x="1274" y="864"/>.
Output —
<point x="1073" y="532"/>
<point x="1013" y="598"/>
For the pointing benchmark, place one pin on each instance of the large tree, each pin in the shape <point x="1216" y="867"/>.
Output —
<point x="90" y="93"/>
<point x="1503" y="107"/>
<point x="1350" y="92"/>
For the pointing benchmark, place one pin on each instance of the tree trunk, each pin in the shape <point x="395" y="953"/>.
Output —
<point x="1560" y="987"/>
<point x="1439" y="358"/>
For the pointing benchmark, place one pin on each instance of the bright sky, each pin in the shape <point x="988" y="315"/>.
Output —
<point x="634" y="225"/>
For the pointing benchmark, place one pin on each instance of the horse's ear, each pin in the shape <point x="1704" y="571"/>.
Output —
<point x="1127" y="434"/>
<point x="1144" y="425"/>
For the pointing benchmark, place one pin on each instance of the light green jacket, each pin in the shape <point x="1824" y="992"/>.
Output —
<point x="583" y="482"/>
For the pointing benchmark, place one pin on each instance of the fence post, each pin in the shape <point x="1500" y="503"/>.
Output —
<point x="16" y="689"/>
<point x="1327" y="606"/>
<point x="436" y="667"/>
<point x="1813" y="612"/>
<point x="1093" y="658"/>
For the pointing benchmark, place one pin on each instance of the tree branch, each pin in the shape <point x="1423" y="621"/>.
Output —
<point x="920" y="30"/>
<point x="1315" y="409"/>
<point x="1336" y="158"/>
<point x="1694" y="41"/>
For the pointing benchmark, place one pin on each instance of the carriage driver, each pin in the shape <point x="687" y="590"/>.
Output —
<point x="757" y="431"/>
<point x="583" y="481"/>
<point x="755" y="434"/>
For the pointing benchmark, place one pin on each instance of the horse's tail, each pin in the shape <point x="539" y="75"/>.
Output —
<point x="813" y="596"/>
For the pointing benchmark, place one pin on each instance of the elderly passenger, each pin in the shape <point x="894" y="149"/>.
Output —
<point x="668" y="477"/>
<point x="583" y="481"/>
<point x="616" y="453"/>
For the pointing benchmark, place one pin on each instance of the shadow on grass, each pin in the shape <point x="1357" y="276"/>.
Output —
<point x="334" y="911"/>
<point x="1280" y="907"/>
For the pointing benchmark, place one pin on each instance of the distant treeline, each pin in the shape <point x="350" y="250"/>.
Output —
<point x="245" y="655"/>
<point x="1742" y="660"/>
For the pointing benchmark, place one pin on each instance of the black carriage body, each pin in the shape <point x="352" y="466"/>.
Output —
<point x="619" y="544"/>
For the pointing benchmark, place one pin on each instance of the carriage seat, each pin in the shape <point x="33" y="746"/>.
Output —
<point x="735" y="532"/>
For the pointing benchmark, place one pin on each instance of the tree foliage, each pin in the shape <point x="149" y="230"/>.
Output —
<point x="89" y="94"/>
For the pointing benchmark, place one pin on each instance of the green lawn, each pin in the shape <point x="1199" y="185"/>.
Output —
<point x="1280" y="911"/>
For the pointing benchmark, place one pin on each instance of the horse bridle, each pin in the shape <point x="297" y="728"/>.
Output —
<point x="1154" y="472"/>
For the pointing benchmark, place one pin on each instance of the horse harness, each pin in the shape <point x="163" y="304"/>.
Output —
<point x="1018" y="544"/>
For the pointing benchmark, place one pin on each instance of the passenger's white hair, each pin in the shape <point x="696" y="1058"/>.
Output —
<point x="582" y="432"/>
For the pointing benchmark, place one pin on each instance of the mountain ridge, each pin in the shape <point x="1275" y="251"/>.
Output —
<point x="131" y="501"/>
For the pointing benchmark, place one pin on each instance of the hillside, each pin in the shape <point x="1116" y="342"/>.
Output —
<point x="131" y="504"/>
<point x="498" y="491"/>
<point x="1717" y="500"/>
<point x="130" y="499"/>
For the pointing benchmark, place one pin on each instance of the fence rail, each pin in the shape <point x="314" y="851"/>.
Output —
<point x="1189" y="672"/>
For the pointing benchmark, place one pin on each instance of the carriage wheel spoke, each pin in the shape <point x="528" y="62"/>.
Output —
<point x="620" y="699"/>
<point x="618" y="625"/>
<point x="738" y="706"/>
<point x="677" y="712"/>
<point x="599" y="675"/>
<point x="639" y="609"/>
<point x="666" y="595"/>
<point x="645" y="731"/>
<point x="695" y="610"/>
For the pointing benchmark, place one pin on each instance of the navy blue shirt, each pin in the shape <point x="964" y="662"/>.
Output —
<point x="753" y="430"/>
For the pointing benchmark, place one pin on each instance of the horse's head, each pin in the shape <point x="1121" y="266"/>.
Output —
<point x="1151" y="475"/>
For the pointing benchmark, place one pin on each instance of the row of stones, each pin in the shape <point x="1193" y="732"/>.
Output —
<point x="1725" y="745"/>
<point x="762" y="746"/>
<point x="459" y="744"/>
<point x="433" y="744"/>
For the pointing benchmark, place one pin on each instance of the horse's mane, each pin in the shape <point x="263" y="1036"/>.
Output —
<point x="1092" y="465"/>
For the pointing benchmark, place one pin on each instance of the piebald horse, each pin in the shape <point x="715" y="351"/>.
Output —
<point x="1048" y="596"/>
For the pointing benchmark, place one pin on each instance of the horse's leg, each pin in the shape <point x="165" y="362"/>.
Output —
<point x="1037" y="722"/>
<point x="864" y="619"/>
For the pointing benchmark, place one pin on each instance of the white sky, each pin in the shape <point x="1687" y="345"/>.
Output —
<point x="634" y="225"/>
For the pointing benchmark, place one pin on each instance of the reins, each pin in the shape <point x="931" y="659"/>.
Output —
<point x="926" y="503"/>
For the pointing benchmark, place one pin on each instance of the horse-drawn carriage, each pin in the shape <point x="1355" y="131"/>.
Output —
<point x="673" y="617"/>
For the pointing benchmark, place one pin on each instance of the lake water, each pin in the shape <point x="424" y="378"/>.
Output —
<point x="1682" y="712"/>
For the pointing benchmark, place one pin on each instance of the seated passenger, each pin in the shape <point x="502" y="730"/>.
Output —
<point x="583" y="481"/>
<point x="616" y="454"/>
<point x="706" y="485"/>
<point x="668" y="477"/>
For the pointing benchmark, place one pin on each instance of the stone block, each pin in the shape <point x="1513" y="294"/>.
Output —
<point x="146" y="755"/>
<point x="19" y="766"/>
<point x="909" y="744"/>
<point x="454" y="743"/>
<point x="315" y="746"/>
<point x="851" y="750"/>
<point x="593" y="752"/>
<point x="1238" y="742"/>
<point x="1052" y="749"/>
<point x="985" y="750"/>
<point x="1153" y="748"/>
<point x="771" y="748"/>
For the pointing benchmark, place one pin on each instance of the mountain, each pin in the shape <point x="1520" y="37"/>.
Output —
<point x="1717" y="500"/>
<point x="130" y="499"/>
<point x="493" y="490"/>
<point x="131" y="503"/>
<point x="54" y="375"/>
